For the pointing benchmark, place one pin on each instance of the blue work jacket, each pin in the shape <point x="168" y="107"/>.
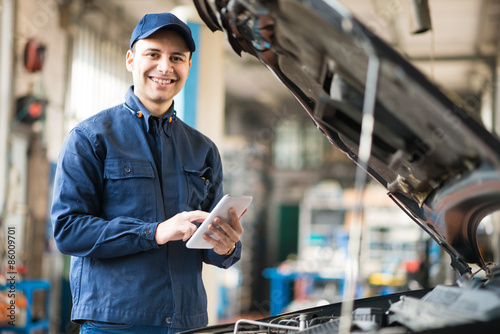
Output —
<point x="107" y="204"/>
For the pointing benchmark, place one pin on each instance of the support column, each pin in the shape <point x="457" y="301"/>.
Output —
<point x="7" y="24"/>
<point x="201" y="102"/>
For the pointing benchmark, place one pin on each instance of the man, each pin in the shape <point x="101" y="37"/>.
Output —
<point x="131" y="183"/>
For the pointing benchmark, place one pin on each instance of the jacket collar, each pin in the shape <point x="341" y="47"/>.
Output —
<point x="134" y="105"/>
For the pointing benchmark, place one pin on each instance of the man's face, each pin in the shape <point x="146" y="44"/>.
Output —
<point x="160" y="66"/>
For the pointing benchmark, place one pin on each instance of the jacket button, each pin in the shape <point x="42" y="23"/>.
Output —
<point x="147" y="232"/>
<point x="207" y="182"/>
<point x="127" y="169"/>
<point x="168" y="320"/>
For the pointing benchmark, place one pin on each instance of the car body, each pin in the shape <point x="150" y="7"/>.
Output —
<point x="437" y="161"/>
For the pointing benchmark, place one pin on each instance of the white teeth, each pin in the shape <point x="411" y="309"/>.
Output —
<point x="161" y="82"/>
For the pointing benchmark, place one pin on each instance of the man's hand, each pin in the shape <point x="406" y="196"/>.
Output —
<point x="228" y="233"/>
<point x="179" y="227"/>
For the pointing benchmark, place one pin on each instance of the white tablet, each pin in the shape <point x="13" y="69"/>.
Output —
<point x="239" y="203"/>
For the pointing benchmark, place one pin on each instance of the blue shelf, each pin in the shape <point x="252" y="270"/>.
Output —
<point x="28" y="287"/>
<point x="279" y="294"/>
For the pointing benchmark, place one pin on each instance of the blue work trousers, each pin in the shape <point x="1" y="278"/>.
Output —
<point x="96" y="327"/>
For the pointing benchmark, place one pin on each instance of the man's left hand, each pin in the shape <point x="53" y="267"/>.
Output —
<point x="228" y="233"/>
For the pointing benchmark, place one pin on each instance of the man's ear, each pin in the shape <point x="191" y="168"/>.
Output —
<point x="130" y="61"/>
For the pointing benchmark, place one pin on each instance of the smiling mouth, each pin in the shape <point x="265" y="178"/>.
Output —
<point x="162" y="81"/>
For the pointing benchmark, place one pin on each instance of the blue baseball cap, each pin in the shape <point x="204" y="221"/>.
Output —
<point x="150" y="23"/>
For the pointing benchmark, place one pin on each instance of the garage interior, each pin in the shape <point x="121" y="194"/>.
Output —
<point x="63" y="60"/>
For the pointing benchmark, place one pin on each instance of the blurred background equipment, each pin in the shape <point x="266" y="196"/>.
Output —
<point x="420" y="16"/>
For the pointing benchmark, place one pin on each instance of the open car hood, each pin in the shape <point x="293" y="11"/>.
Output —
<point x="436" y="160"/>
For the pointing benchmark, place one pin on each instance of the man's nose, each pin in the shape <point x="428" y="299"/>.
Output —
<point x="165" y="66"/>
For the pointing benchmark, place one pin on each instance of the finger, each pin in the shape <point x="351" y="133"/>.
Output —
<point x="222" y="228"/>
<point x="222" y="245"/>
<point x="235" y="222"/>
<point x="210" y="240"/>
<point x="189" y="231"/>
<point x="197" y="216"/>
<point x="227" y="238"/>
<point x="232" y="215"/>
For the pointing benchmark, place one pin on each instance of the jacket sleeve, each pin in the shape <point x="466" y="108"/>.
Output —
<point x="223" y="261"/>
<point x="79" y="229"/>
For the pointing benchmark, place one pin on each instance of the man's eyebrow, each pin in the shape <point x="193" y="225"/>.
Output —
<point x="175" y="53"/>
<point x="179" y="53"/>
<point x="152" y="49"/>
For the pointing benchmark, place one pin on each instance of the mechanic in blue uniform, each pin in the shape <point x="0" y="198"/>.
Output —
<point x="131" y="183"/>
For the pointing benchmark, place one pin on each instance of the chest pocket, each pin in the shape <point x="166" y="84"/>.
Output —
<point x="129" y="188"/>
<point x="198" y="184"/>
<point x="115" y="169"/>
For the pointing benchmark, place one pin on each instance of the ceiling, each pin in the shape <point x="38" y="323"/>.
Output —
<point x="459" y="53"/>
<point x="460" y="50"/>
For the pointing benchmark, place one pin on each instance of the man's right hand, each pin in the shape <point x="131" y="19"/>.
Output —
<point x="179" y="227"/>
